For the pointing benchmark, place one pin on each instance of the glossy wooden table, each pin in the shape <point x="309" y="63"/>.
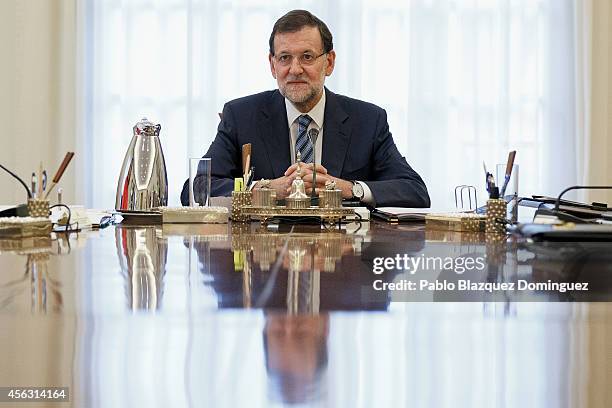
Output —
<point x="245" y="316"/>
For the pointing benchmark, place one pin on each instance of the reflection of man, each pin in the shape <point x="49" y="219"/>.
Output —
<point x="295" y="349"/>
<point x="348" y="287"/>
<point x="354" y="147"/>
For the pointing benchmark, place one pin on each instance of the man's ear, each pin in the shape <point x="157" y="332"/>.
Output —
<point x="272" y="69"/>
<point x="331" y="62"/>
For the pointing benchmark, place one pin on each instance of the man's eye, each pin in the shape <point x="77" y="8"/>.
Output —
<point x="308" y="57"/>
<point x="284" y="58"/>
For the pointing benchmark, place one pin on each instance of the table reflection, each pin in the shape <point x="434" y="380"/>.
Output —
<point x="246" y="316"/>
<point x="142" y="256"/>
<point x="45" y="292"/>
<point x="570" y="262"/>
<point x="296" y="356"/>
<point x="296" y="270"/>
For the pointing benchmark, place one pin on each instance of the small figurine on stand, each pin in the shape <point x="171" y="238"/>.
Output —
<point x="298" y="198"/>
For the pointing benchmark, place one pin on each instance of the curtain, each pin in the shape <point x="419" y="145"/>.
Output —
<point x="595" y="54"/>
<point x="463" y="81"/>
<point x="38" y="97"/>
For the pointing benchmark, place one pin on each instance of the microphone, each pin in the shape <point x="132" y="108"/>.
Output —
<point x="313" y="134"/>
<point x="22" y="209"/>
<point x="21" y="181"/>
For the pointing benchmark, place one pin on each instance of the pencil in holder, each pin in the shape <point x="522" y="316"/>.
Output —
<point x="38" y="208"/>
<point x="496" y="209"/>
<point x="240" y="199"/>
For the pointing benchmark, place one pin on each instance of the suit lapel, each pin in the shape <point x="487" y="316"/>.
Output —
<point x="274" y="132"/>
<point x="336" y="135"/>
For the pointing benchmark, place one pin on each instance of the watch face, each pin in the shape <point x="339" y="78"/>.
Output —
<point x="357" y="190"/>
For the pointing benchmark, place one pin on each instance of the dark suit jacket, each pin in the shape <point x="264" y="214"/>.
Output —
<point x="357" y="145"/>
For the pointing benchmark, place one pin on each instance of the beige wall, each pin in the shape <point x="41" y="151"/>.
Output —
<point x="37" y="79"/>
<point x="600" y="146"/>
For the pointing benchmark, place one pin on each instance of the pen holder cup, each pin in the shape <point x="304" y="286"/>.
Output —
<point x="496" y="208"/>
<point x="38" y="208"/>
<point x="330" y="198"/>
<point x="264" y="197"/>
<point x="240" y="199"/>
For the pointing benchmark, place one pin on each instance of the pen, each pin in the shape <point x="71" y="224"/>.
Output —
<point x="44" y="180"/>
<point x="250" y="178"/>
<point x="34" y="190"/>
<point x="489" y="180"/>
<point x="40" y="184"/>
<point x="486" y="173"/>
<point x="60" y="172"/>
<point x="509" y="165"/>
<point x="246" y="162"/>
<point x="246" y="172"/>
<point x="493" y="190"/>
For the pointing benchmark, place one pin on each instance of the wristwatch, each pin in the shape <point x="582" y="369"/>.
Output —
<point x="357" y="190"/>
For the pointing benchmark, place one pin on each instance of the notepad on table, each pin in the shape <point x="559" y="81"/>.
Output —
<point x="405" y="214"/>
<point x="456" y="221"/>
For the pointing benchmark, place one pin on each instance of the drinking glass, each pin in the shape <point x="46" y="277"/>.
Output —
<point x="199" y="181"/>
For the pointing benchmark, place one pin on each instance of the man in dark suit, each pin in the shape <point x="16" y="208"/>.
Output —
<point x="354" y="147"/>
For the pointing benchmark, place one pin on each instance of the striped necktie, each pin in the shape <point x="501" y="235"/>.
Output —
<point x="303" y="144"/>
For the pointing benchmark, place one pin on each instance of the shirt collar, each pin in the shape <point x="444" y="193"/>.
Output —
<point x="317" y="113"/>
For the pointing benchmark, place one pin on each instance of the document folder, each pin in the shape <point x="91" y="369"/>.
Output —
<point x="566" y="233"/>
<point x="404" y="214"/>
<point x="582" y="210"/>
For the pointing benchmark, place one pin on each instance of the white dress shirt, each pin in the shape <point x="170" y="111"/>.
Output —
<point x="317" y="113"/>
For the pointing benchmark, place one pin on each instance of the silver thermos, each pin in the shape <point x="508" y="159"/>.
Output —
<point x="143" y="182"/>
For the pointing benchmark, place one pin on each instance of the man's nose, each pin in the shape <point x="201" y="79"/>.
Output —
<point x="295" y="68"/>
